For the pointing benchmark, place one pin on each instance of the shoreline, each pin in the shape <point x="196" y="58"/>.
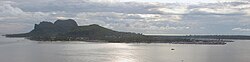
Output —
<point x="189" y="41"/>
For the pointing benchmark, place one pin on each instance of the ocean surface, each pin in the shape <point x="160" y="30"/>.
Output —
<point x="23" y="50"/>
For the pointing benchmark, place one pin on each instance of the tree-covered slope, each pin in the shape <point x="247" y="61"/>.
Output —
<point x="69" y="30"/>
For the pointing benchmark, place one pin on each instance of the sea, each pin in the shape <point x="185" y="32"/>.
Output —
<point x="23" y="50"/>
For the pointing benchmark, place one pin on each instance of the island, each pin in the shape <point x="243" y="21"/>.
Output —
<point x="68" y="30"/>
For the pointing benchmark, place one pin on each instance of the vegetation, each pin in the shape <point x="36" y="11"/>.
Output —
<point x="68" y="30"/>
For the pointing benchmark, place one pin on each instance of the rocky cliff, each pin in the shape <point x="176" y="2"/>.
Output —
<point x="58" y="26"/>
<point x="66" y="30"/>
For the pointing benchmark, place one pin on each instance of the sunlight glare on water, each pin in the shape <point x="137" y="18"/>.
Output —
<point x="21" y="50"/>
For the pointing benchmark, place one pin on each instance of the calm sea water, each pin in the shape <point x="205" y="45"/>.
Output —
<point x="22" y="50"/>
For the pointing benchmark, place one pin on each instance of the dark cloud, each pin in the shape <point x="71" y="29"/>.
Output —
<point x="146" y="17"/>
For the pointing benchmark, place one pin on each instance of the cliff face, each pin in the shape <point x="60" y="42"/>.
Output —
<point x="59" y="26"/>
<point x="69" y="30"/>
<point x="43" y="27"/>
<point x="66" y="23"/>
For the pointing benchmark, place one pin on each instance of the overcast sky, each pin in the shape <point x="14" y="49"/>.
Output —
<point x="141" y="16"/>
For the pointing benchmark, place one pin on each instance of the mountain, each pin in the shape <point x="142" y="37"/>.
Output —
<point x="49" y="29"/>
<point x="68" y="30"/>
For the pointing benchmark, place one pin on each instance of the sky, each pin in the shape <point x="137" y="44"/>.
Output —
<point x="183" y="1"/>
<point x="140" y="16"/>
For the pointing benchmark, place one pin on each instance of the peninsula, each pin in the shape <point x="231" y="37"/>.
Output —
<point x="68" y="30"/>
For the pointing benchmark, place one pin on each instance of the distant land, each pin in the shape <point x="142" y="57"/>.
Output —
<point x="68" y="30"/>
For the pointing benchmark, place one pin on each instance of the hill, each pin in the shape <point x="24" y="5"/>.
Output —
<point x="68" y="30"/>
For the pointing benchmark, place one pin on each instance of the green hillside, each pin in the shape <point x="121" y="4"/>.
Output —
<point x="68" y="30"/>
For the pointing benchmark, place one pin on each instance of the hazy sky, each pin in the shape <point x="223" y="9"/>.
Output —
<point x="142" y="16"/>
<point x="183" y="1"/>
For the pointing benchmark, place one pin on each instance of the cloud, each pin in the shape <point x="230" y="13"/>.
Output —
<point x="143" y="17"/>
<point x="14" y="19"/>
<point x="241" y="29"/>
<point x="130" y="22"/>
<point x="78" y="6"/>
<point x="224" y="8"/>
<point x="7" y="11"/>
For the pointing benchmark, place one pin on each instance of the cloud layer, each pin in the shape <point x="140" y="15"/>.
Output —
<point x="144" y="17"/>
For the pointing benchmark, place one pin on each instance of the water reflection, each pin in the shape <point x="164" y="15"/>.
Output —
<point x="156" y="52"/>
<point x="125" y="54"/>
<point x="30" y="51"/>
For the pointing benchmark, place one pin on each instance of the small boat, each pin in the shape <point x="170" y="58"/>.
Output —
<point x="172" y="49"/>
